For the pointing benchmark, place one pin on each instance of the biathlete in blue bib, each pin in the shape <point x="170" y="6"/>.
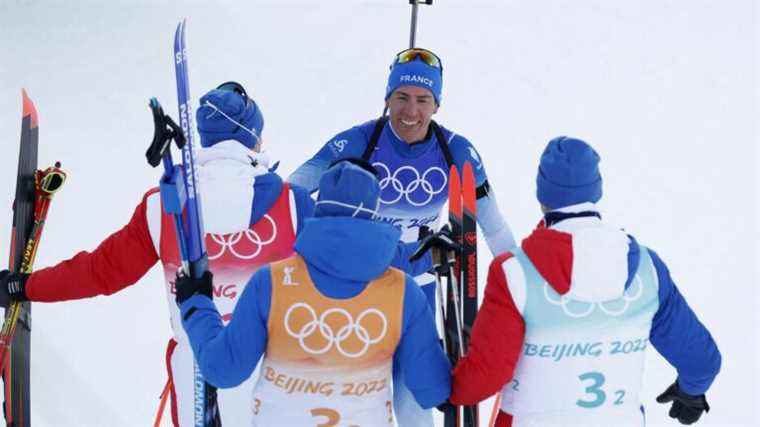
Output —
<point x="412" y="154"/>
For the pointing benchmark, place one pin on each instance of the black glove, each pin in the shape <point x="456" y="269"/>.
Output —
<point x="12" y="287"/>
<point x="446" y="407"/>
<point x="187" y="286"/>
<point x="686" y="408"/>
<point x="440" y="242"/>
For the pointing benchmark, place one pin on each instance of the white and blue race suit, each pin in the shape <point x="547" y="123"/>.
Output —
<point x="413" y="180"/>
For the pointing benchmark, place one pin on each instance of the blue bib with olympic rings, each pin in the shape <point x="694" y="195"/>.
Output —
<point x="413" y="190"/>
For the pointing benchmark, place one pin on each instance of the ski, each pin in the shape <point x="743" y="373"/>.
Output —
<point x="469" y="267"/>
<point x="34" y="192"/>
<point x="195" y="260"/>
<point x="195" y="236"/>
<point x="16" y="363"/>
<point x="451" y="327"/>
<point x="180" y="199"/>
<point x="462" y="289"/>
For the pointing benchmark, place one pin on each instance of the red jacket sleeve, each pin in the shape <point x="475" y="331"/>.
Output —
<point x="119" y="261"/>
<point x="496" y="343"/>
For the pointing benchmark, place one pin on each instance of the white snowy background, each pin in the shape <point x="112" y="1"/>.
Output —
<point x="665" y="90"/>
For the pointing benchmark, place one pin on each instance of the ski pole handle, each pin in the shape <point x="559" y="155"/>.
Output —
<point x="165" y="131"/>
<point x="51" y="179"/>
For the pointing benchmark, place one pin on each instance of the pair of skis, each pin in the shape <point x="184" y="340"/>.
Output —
<point x="180" y="198"/>
<point x="461" y="301"/>
<point x="34" y="192"/>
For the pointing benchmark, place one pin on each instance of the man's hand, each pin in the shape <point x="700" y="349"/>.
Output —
<point x="187" y="286"/>
<point x="440" y="243"/>
<point x="686" y="408"/>
<point x="12" y="287"/>
<point x="446" y="407"/>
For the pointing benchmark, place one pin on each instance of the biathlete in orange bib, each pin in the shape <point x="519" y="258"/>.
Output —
<point x="329" y="321"/>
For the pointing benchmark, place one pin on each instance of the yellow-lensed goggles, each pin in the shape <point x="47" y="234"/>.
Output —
<point x="424" y="55"/>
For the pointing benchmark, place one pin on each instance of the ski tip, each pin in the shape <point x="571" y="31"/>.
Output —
<point x="466" y="169"/>
<point x="468" y="187"/>
<point x="29" y="108"/>
<point x="455" y="191"/>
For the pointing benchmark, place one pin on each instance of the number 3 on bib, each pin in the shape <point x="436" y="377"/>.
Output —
<point x="595" y="392"/>
<point x="333" y="417"/>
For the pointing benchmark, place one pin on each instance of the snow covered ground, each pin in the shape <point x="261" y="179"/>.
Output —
<point x="665" y="90"/>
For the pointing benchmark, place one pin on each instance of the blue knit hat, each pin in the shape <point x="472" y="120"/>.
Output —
<point x="415" y="73"/>
<point x="225" y="114"/>
<point x="568" y="174"/>
<point x="347" y="189"/>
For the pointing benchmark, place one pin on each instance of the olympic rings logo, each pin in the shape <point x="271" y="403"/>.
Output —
<point x="246" y="244"/>
<point x="419" y="182"/>
<point x="327" y="333"/>
<point x="631" y="295"/>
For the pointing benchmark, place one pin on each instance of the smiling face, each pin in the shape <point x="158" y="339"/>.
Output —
<point x="411" y="109"/>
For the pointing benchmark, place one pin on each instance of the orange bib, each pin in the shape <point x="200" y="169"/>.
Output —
<point x="328" y="360"/>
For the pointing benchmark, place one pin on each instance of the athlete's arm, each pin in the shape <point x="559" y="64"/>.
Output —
<point x="347" y="144"/>
<point x="497" y="338"/>
<point x="228" y="355"/>
<point x="304" y="205"/>
<point x="681" y="338"/>
<point x="495" y="229"/>
<point x="426" y="369"/>
<point x="119" y="261"/>
<point x="412" y="268"/>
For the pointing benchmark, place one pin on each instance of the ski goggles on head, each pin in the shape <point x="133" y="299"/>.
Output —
<point x="234" y="87"/>
<point x="424" y="55"/>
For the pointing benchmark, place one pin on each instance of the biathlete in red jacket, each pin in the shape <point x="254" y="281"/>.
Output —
<point x="251" y="218"/>
<point x="568" y="316"/>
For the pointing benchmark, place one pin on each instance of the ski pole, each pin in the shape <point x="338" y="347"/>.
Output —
<point x="413" y="24"/>
<point x="454" y="283"/>
<point x="412" y="30"/>
<point x="495" y="410"/>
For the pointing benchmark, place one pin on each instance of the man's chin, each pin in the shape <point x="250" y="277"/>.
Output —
<point x="412" y="135"/>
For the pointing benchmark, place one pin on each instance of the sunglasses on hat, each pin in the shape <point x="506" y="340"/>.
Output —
<point x="234" y="87"/>
<point x="424" y="55"/>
